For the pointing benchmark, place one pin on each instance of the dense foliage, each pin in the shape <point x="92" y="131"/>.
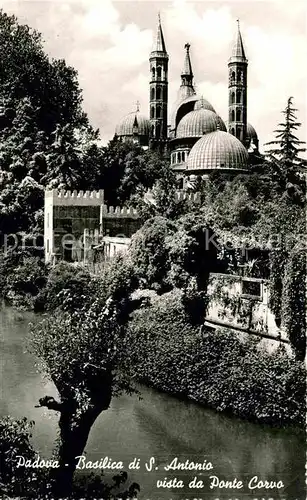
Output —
<point x="174" y="356"/>
<point x="294" y="301"/>
<point x="15" y="441"/>
<point x="80" y="350"/>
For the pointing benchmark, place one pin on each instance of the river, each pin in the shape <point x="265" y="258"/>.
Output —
<point x="158" y="426"/>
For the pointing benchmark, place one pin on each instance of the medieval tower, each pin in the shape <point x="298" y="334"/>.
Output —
<point x="158" y="89"/>
<point x="237" y="86"/>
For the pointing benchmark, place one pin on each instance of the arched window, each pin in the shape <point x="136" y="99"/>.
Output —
<point x="159" y="93"/>
<point x="232" y="131"/>
<point x="179" y="157"/>
<point x="164" y="94"/>
<point x="239" y="75"/>
<point x="153" y="73"/>
<point x="239" y="96"/>
<point x="233" y="76"/>
<point x="152" y="131"/>
<point x="152" y="112"/>
<point x="239" y="133"/>
<point x="158" y="130"/>
<point x="158" y="112"/>
<point x="239" y="114"/>
<point x="152" y="94"/>
<point x="232" y="116"/>
<point x="159" y="72"/>
<point x="232" y="99"/>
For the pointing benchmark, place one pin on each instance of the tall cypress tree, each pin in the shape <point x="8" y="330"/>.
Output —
<point x="284" y="154"/>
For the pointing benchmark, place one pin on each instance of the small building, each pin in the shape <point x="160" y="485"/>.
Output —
<point x="67" y="215"/>
<point x="77" y="222"/>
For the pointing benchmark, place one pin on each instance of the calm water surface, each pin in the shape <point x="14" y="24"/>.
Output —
<point x="156" y="426"/>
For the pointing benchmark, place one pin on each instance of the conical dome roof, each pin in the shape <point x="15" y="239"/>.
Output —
<point x="217" y="150"/>
<point x="199" y="122"/>
<point x="131" y="123"/>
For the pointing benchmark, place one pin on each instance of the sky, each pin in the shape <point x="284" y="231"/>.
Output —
<point x="108" y="43"/>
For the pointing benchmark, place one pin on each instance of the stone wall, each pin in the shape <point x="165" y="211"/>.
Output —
<point x="242" y="304"/>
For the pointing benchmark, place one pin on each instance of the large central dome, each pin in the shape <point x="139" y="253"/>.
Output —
<point x="217" y="150"/>
<point x="199" y="122"/>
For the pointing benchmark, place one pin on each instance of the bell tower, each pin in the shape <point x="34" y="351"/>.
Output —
<point x="158" y="89"/>
<point x="237" y="86"/>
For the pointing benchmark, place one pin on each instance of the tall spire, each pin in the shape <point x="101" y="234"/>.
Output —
<point x="186" y="88"/>
<point x="238" y="52"/>
<point x="159" y="44"/>
<point x="187" y="66"/>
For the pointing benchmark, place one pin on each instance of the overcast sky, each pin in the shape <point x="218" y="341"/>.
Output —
<point x="109" y="42"/>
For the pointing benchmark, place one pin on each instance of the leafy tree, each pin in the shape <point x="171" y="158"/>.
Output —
<point x="45" y="136"/>
<point x="176" y="254"/>
<point x="149" y="253"/>
<point x="127" y="171"/>
<point x="81" y="353"/>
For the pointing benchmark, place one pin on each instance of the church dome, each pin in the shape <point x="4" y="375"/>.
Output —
<point x="251" y="133"/>
<point x="182" y="107"/>
<point x="133" y="124"/>
<point x="217" y="150"/>
<point x="203" y="103"/>
<point x="199" y="122"/>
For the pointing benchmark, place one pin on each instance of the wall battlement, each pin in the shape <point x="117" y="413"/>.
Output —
<point x="114" y="212"/>
<point x="74" y="198"/>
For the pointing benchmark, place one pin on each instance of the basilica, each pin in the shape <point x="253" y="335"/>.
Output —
<point x="198" y="140"/>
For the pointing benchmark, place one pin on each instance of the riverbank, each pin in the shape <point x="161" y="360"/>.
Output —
<point x="215" y="368"/>
<point x="145" y="428"/>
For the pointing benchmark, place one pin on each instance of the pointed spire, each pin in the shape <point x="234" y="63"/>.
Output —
<point x="238" y="52"/>
<point x="187" y="66"/>
<point x="159" y="45"/>
<point x="186" y="88"/>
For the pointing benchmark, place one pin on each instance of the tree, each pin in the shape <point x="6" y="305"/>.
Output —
<point x="149" y="254"/>
<point x="81" y="353"/>
<point x="128" y="171"/>
<point x="284" y="155"/>
<point x="45" y="136"/>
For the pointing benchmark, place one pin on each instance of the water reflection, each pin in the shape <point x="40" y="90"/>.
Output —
<point x="157" y="426"/>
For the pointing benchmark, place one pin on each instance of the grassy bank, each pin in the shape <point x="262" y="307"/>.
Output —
<point x="217" y="368"/>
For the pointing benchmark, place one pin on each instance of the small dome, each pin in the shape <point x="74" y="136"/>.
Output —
<point x="133" y="123"/>
<point x="218" y="150"/>
<point x="199" y="122"/>
<point x="183" y="106"/>
<point x="251" y="133"/>
<point x="203" y="103"/>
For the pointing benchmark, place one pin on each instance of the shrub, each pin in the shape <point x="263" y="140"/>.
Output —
<point x="67" y="287"/>
<point x="22" y="277"/>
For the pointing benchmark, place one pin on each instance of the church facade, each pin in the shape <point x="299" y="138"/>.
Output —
<point x="198" y="140"/>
